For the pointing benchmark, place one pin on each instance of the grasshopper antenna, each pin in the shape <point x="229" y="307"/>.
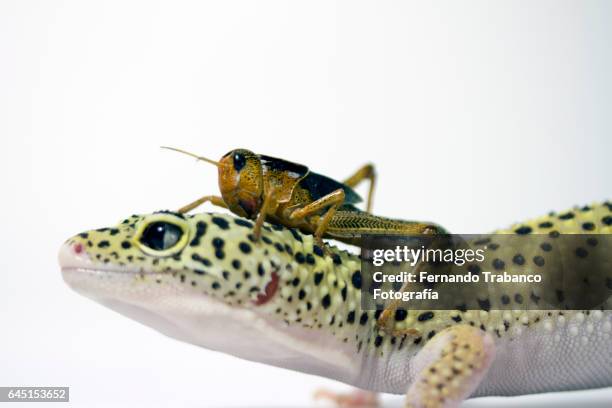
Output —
<point x="191" y="154"/>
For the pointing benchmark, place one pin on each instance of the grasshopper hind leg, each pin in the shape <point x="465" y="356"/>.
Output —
<point x="331" y="201"/>
<point x="366" y="172"/>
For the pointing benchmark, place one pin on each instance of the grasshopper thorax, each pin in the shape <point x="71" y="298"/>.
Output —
<point x="241" y="182"/>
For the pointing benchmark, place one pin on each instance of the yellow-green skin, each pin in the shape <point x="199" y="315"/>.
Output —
<point x="318" y="295"/>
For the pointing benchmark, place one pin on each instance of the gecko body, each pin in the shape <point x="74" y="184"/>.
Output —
<point x="284" y="301"/>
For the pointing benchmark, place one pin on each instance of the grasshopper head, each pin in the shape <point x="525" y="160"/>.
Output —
<point x="241" y="182"/>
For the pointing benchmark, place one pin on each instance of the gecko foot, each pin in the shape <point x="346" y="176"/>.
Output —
<point x="450" y="367"/>
<point x="356" y="399"/>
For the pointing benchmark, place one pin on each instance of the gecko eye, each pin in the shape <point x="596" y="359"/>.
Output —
<point x="239" y="161"/>
<point x="161" y="235"/>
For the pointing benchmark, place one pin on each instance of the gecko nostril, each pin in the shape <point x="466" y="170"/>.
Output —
<point x="78" y="248"/>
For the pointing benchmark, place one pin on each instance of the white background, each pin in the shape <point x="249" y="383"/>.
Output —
<point x="476" y="114"/>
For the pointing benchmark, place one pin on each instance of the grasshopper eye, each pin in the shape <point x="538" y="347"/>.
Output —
<point x="239" y="161"/>
<point x="160" y="235"/>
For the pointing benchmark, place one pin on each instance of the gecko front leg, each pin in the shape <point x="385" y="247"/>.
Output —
<point x="450" y="367"/>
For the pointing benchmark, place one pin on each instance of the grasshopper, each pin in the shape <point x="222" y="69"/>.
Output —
<point x="261" y="188"/>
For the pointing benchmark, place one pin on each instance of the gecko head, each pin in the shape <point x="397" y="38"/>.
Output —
<point x="206" y="280"/>
<point x="161" y="256"/>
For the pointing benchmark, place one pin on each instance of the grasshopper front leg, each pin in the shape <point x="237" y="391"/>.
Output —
<point x="215" y="200"/>
<point x="269" y="205"/>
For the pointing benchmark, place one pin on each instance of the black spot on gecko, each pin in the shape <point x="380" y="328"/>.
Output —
<point x="198" y="258"/>
<point x="524" y="230"/>
<point x="337" y="259"/>
<point x="326" y="301"/>
<point x="318" y="251"/>
<point x="244" y="247"/>
<point x="126" y="245"/>
<point x="400" y="315"/>
<point x="243" y="223"/>
<point x="538" y="260"/>
<point x="546" y="224"/>
<point x="299" y="257"/>
<point x="221" y="223"/>
<point x="457" y="318"/>
<point x="473" y="269"/>
<point x="295" y="234"/>
<point x="498" y="264"/>
<point x="560" y="295"/>
<point x="350" y="317"/>
<point x="607" y="220"/>
<point x="310" y="259"/>
<point x="546" y="247"/>
<point x="581" y="252"/>
<point x="343" y="293"/>
<point x="356" y="279"/>
<point x="261" y="271"/>
<point x="518" y="259"/>
<point x="218" y="242"/>
<point x="378" y="341"/>
<point x="425" y="316"/>
<point x="318" y="277"/>
<point x="200" y="231"/>
<point x="566" y="216"/>
<point x="588" y="226"/>
<point x="103" y="244"/>
<point x="485" y="304"/>
<point x="236" y="264"/>
<point x="363" y="319"/>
